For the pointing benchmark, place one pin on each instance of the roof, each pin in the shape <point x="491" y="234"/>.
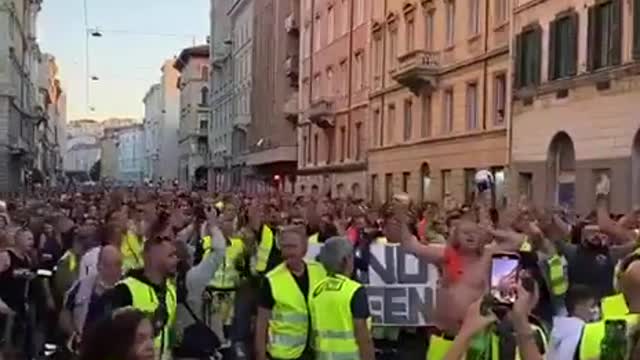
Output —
<point x="186" y="54"/>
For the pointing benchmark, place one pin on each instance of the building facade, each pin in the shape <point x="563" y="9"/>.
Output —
<point x="81" y="146"/>
<point x="19" y="112"/>
<point x="439" y="75"/>
<point x="272" y="132"/>
<point x="152" y="118"/>
<point x="222" y="94"/>
<point x="334" y="97"/>
<point x="575" y="112"/>
<point x="130" y="154"/>
<point x="81" y="157"/>
<point x="193" y="83"/>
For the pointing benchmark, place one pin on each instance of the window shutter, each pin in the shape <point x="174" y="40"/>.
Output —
<point x="518" y="63"/>
<point x="573" y="46"/>
<point x="552" y="51"/>
<point x="636" y="29"/>
<point x="537" y="54"/>
<point x="616" y="32"/>
<point x="591" y="39"/>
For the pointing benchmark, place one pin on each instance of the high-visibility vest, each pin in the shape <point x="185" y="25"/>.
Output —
<point x="594" y="333"/>
<point x="227" y="276"/>
<point x="558" y="275"/>
<point x="314" y="239"/>
<point x="381" y="240"/>
<point x="145" y="299"/>
<point x="131" y="250"/>
<point x="333" y="336"/>
<point x="614" y="306"/>
<point x="70" y="259"/>
<point x="526" y="246"/>
<point x="264" y="249"/>
<point x="289" y="322"/>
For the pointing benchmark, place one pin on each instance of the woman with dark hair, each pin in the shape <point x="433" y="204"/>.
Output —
<point x="126" y="335"/>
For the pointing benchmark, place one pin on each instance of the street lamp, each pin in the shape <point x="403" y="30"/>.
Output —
<point x="95" y="78"/>
<point x="96" y="33"/>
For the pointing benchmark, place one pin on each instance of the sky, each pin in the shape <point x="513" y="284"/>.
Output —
<point x="127" y="58"/>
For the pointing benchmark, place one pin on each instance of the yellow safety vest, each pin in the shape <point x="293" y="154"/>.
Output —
<point x="289" y="323"/>
<point x="381" y="240"/>
<point x="264" y="249"/>
<point x="144" y="298"/>
<point x="557" y="275"/>
<point x="227" y="276"/>
<point x="314" y="239"/>
<point x="614" y="306"/>
<point x="71" y="259"/>
<point x="594" y="333"/>
<point x="131" y="249"/>
<point x="333" y="336"/>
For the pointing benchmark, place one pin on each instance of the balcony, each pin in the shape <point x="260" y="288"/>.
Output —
<point x="321" y="113"/>
<point x="291" y="108"/>
<point x="416" y="70"/>
<point x="291" y="67"/>
<point x="291" y="24"/>
<point x="18" y="145"/>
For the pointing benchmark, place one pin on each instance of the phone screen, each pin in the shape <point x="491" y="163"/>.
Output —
<point x="504" y="277"/>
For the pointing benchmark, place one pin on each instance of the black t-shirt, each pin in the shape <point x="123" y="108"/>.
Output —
<point x="265" y="295"/>
<point x="14" y="283"/>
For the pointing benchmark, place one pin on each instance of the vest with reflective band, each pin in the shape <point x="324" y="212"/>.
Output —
<point x="144" y="298"/>
<point x="313" y="239"/>
<point x="381" y="240"/>
<point x="557" y="275"/>
<point x="333" y="336"/>
<point x="227" y="276"/>
<point x="71" y="260"/>
<point x="131" y="249"/>
<point x="289" y="323"/>
<point x="614" y="306"/>
<point x="594" y="334"/>
<point x="264" y="249"/>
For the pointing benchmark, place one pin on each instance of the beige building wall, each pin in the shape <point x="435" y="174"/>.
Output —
<point x="438" y="100"/>
<point x="334" y="85"/>
<point x="594" y="111"/>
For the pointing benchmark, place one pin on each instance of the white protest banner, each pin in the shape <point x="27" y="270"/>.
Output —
<point x="401" y="288"/>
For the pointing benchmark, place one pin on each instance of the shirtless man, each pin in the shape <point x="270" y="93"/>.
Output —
<point x="465" y="263"/>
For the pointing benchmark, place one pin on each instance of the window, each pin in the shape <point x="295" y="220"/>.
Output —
<point x="429" y="26"/>
<point x="408" y="119"/>
<point x="528" y="53"/>
<point x="446" y="182"/>
<point x="391" y="123"/>
<point x="306" y="41"/>
<point x="358" y="141"/>
<point x="605" y="34"/>
<point x="330" y="143"/>
<point x="338" y="19"/>
<point x="315" y="149"/>
<point x="359" y="9"/>
<point x="358" y="75"/>
<point x="304" y="150"/>
<point x="316" y="86"/>
<point x="393" y="48"/>
<point x="203" y="120"/>
<point x="425" y="182"/>
<point x="345" y="18"/>
<point x="330" y="85"/>
<point x="344" y="75"/>
<point x="330" y="24"/>
<point x="500" y="187"/>
<point x="425" y="129"/>
<point x="316" y="34"/>
<point x="563" y="47"/>
<point x="525" y="184"/>
<point x="410" y="36"/>
<point x="377" y="59"/>
<point x="363" y="70"/>
<point x="374" y="188"/>
<point x="405" y="181"/>
<point x="204" y="96"/>
<point x="469" y="185"/>
<point x="472" y="106"/>
<point x="343" y="143"/>
<point x="388" y="187"/>
<point x="450" y="8"/>
<point x="636" y="29"/>
<point x="474" y="17"/>
<point x="377" y="138"/>
<point x="499" y="98"/>
<point x="502" y="9"/>
<point x="447" y="121"/>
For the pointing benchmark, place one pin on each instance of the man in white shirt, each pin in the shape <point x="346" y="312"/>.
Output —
<point x="582" y="306"/>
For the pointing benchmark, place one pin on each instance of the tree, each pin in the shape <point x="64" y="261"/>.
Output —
<point x="94" y="173"/>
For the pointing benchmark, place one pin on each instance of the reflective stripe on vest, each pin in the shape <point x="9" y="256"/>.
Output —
<point x="333" y="336"/>
<point x="131" y="249"/>
<point x="614" y="306"/>
<point x="313" y="239"/>
<point x="557" y="275"/>
<point x="381" y="240"/>
<point x="144" y="298"/>
<point x="264" y="249"/>
<point x="288" y="325"/>
<point x="71" y="259"/>
<point x="594" y="335"/>
<point x="227" y="276"/>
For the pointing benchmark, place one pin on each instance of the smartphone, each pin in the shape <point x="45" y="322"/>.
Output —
<point x="614" y="345"/>
<point x="504" y="277"/>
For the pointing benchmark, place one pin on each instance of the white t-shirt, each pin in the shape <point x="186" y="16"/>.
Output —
<point x="565" y="337"/>
<point x="89" y="263"/>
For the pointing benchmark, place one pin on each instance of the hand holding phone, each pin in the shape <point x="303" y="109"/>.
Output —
<point x="505" y="268"/>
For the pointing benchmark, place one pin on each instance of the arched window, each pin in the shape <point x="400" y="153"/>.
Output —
<point x="204" y="96"/>
<point x="355" y="191"/>
<point x="425" y="181"/>
<point x="562" y="166"/>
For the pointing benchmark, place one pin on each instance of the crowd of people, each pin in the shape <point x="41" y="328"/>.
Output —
<point x="161" y="273"/>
